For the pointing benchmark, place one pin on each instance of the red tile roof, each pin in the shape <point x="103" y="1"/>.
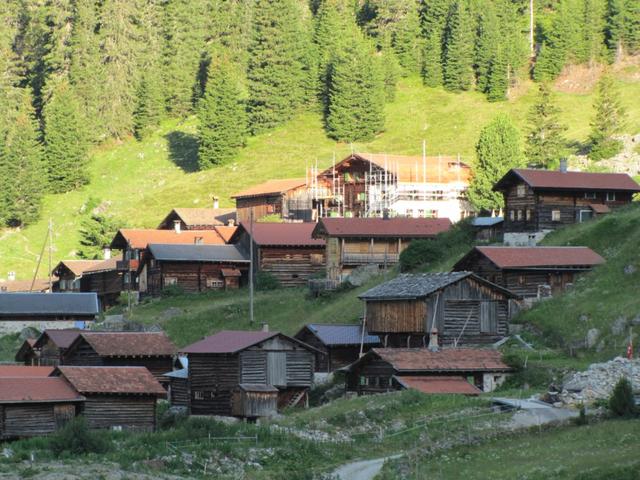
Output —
<point x="271" y="187"/>
<point x="554" y="179"/>
<point x="62" y="337"/>
<point x="599" y="207"/>
<point x="199" y="217"/>
<point x="523" y="257"/>
<point x="43" y="389"/>
<point x="112" y="380"/>
<point x="19" y="286"/>
<point x="130" y="344"/>
<point x="438" y="384"/>
<point x="141" y="238"/>
<point x="444" y="360"/>
<point x="226" y="232"/>
<point x="284" y="234"/>
<point x="77" y="267"/>
<point x="228" y="341"/>
<point x="379" y="227"/>
<point x="24" y="371"/>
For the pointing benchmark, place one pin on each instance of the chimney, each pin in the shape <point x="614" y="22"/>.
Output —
<point x="106" y="253"/>
<point x="433" y="340"/>
<point x="177" y="226"/>
<point x="231" y="222"/>
<point x="265" y="327"/>
<point x="11" y="276"/>
<point x="563" y="165"/>
<point x="216" y="202"/>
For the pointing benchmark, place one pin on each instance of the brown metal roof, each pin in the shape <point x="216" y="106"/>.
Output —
<point x="104" y="265"/>
<point x="380" y="227"/>
<point x="37" y="389"/>
<point x="528" y="257"/>
<point x="22" y="286"/>
<point x="557" y="180"/>
<point x="599" y="207"/>
<point x="24" y="371"/>
<point x="62" y="338"/>
<point x="438" y="384"/>
<point x="112" y="380"/>
<point x="78" y="267"/>
<point x="140" y="238"/>
<point x="130" y="344"/>
<point x="271" y="187"/>
<point x="228" y="341"/>
<point x="444" y="360"/>
<point x="199" y="216"/>
<point x="284" y="234"/>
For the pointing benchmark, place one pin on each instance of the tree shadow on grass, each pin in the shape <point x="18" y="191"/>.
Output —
<point x="183" y="150"/>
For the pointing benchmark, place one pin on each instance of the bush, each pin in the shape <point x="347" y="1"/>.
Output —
<point x="76" y="438"/>
<point x="605" y="149"/>
<point x="172" y="291"/>
<point x="621" y="402"/>
<point x="266" y="281"/>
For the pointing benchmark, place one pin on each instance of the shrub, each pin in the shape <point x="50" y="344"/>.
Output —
<point x="76" y="438"/>
<point x="266" y="281"/>
<point x="605" y="149"/>
<point x="621" y="402"/>
<point x="172" y="291"/>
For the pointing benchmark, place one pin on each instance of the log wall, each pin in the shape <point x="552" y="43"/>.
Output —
<point x="292" y="266"/>
<point x="126" y="411"/>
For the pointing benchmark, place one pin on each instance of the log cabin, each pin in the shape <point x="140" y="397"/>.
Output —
<point x="178" y="380"/>
<point x="152" y="350"/>
<point x="530" y="272"/>
<point x="26" y="354"/>
<point x="464" y="308"/>
<point x="52" y="344"/>
<point x="199" y="218"/>
<point x="337" y="345"/>
<point x="289" y="199"/>
<point x="220" y="363"/>
<point x="467" y="371"/>
<point x="118" y="398"/>
<point x="539" y="201"/>
<point x="46" y="310"/>
<point x="354" y="242"/>
<point x="285" y="250"/>
<point x="192" y="268"/>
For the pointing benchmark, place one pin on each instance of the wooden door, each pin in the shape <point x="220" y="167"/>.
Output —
<point x="63" y="414"/>
<point x="277" y="369"/>
<point x="556" y="282"/>
<point x="488" y="317"/>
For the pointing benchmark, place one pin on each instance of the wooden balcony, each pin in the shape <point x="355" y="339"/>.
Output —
<point x="369" y="258"/>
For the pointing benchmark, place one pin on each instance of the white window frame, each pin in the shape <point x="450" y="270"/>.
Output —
<point x="512" y="215"/>
<point x="611" y="196"/>
<point x="590" y="195"/>
<point x="521" y="190"/>
<point x="556" y="215"/>
<point x="170" y="281"/>
<point x="590" y="212"/>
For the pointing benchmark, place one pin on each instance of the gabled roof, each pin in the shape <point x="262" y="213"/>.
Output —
<point x="24" y="371"/>
<point x="104" y="265"/>
<point x="410" y="286"/>
<point x="199" y="217"/>
<point x="281" y="234"/>
<point x="438" y="384"/>
<point x="557" y="180"/>
<point x="48" y="304"/>
<point x="140" y="238"/>
<point x="62" y="337"/>
<point x="127" y="344"/>
<point x="197" y="253"/>
<point x="25" y="348"/>
<point x="37" y="390"/>
<point x="332" y="335"/>
<point x="381" y="227"/>
<point x="444" y="360"/>
<point x="77" y="267"/>
<point x="41" y="285"/>
<point x="111" y="380"/>
<point x="271" y="187"/>
<point x="232" y="341"/>
<point x="226" y="232"/>
<point x="537" y="257"/>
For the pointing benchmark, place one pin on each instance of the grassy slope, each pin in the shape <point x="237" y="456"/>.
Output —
<point x="140" y="181"/>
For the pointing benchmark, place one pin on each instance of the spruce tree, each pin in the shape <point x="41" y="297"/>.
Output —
<point x="391" y="70"/>
<point x="65" y="141"/>
<point x="498" y="151"/>
<point x="222" y="118"/>
<point x="592" y="36"/>
<point x="623" y="27"/>
<point x="407" y="40"/>
<point x="545" y="144"/>
<point x="96" y="231"/>
<point x="498" y="80"/>
<point x="487" y="42"/>
<point x="608" y="121"/>
<point x="434" y="20"/>
<point x="457" y="57"/>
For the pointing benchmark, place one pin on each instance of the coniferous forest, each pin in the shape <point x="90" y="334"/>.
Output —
<point x="75" y="73"/>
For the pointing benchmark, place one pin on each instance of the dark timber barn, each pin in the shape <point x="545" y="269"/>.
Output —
<point x="51" y="345"/>
<point x="465" y="309"/>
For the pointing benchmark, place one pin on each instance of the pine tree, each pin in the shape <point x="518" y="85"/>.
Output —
<point x="275" y="74"/>
<point x="592" y="35"/>
<point x="65" y="141"/>
<point x="457" y="57"/>
<point x="222" y="118"/>
<point x="545" y="143"/>
<point x="391" y="70"/>
<point x="498" y="81"/>
<point x="96" y="232"/>
<point x="487" y="42"/>
<point x="434" y="20"/>
<point x="407" y="40"/>
<point x="623" y="27"/>
<point x="356" y="93"/>
<point x="608" y="121"/>
<point x="498" y="151"/>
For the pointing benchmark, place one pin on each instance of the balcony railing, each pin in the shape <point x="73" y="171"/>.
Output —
<point x="369" y="258"/>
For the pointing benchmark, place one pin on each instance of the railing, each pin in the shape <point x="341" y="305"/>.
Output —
<point x="367" y="258"/>
<point x="127" y="265"/>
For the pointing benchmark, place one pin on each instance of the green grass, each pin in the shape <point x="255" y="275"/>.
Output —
<point x="139" y="182"/>
<point x="604" y="450"/>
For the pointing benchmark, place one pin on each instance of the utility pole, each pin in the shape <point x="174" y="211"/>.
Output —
<point x="251" y="266"/>
<point x="50" y="252"/>
<point x="531" y="47"/>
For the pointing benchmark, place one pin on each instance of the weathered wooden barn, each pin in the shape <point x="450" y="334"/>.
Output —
<point x="544" y="200"/>
<point x="152" y="350"/>
<point x="46" y="310"/>
<point x="337" y="345"/>
<point x="467" y="371"/>
<point x="354" y="242"/>
<point x="463" y="307"/>
<point x="531" y="272"/>
<point x="119" y="398"/>
<point x="488" y="229"/>
<point x="35" y="405"/>
<point x="192" y="268"/>
<point x="50" y="347"/>
<point x="287" y="198"/>
<point x="178" y="380"/>
<point x="219" y="364"/>
<point x="26" y="354"/>
<point x="285" y="250"/>
<point x="199" y="218"/>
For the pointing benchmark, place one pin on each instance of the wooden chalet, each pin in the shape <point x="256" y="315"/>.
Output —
<point x="118" y="398"/>
<point x="463" y="307"/>
<point x="46" y="310"/>
<point x="531" y="272"/>
<point x="99" y="276"/>
<point x="287" y="198"/>
<point x="467" y="371"/>
<point x="51" y="346"/>
<point x="354" y="242"/>
<point x="226" y="367"/>
<point x="544" y="200"/>
<point x="337" y="345"/>
<point x="285" y="250"/>
<point x="199" y="218"/>
<point x="152" y="350"/>
<point x="193" y="268"/>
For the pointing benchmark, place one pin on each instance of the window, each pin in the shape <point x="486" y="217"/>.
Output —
<point x="521" y="280"/>
<point x="421" y="213"/>
<point x="585" y="215"/>
<point x="590" y="195"/>
<point x="214" y="283"/>
<point x="383" y="381"/>
<point x="611" y="196"/>
<point x="520" y="215"/>
<point x="152" y="262"/>
<point x="520" y="190"/>
<point x="555" y="215"/>
<point x="198" y="240"/>
<point x="198" y="395"/>
<point x="409" y="212"/>
<point x="528" y="215"/>
<point x="512" y="215"/>
<point x="170" y="281"/>
<point x="63" y="284"/>
<point x="363" y="381"/>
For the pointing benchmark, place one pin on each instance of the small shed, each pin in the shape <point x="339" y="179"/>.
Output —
<point x="179" y="383"/>
<point x="488" y="229"/>
<point x="198" y="218"/>
<point x="288" y="198"/>
<point x="254" y="400"/>
<point x="338" y="344"/>
<point x="52" y="344"/>
<point x="26" y="354"/>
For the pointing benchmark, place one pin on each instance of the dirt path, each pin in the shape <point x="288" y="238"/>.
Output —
<point x="362" y="470"/>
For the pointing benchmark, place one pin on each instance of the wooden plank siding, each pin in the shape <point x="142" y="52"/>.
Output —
<point x="27" y="420"/>
<point x="212" y="378"/>
<point x="179" y="392"/>
<point x="128" y="412"/>
<point x="192" y="277"/>
<point x="291" y="266"/>
<point x="400" y="316"/>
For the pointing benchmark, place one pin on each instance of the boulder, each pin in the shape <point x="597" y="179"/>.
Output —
<point x="592" y="337"/>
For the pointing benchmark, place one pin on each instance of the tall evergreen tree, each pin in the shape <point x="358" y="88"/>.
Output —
<point x="457" y="57"/>
<point x="498" y="151"/>
<point x="434" y="20"/>
<point x="486" y="44"/>
<point x="222" y="118"/>
<point x="623" y="27"/>
<point x="407" y="40"/>
<point x="65" y="141"/>
<point x="545" y="143"/>
<point x="591" y="47"/>
<point x="608" y="121"/>
<point x="498" y="80"/>
<point x="390" y="70"/>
